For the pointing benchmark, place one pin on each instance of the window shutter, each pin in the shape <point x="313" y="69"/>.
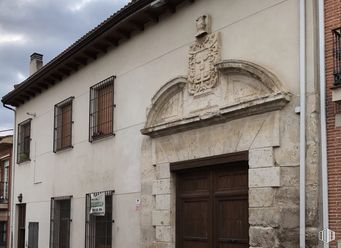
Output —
<point x="101" y="109"/>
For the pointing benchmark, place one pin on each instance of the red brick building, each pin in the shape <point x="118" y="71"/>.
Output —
<point x="6" y="143"/>
<point x="333" y="84"/>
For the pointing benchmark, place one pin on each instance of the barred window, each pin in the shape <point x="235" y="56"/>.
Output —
<point x="4" y="167"/>
<point x="24" y="140"/>
<point x="98" y="228"/>
<point x="3" y="233"/>
<point x="337" y="55"/>
<point x="60" y="222"/>
<point x="63" y="125"/>
<point x="101" y="109"/>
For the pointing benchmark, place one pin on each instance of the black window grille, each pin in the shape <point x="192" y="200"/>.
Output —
<point x="337" y="55"/>
<point x="63" y="125"/>
<point x="3" y="233"/>
<point x="24" y="140"/>
<point x="33" y="234"/>
<point x="101" y="109"/>
<point x="60" y="222"/>
<point x="98" y="229"/>
<point x="21" y="225"/>
<point x="4" y="174"/>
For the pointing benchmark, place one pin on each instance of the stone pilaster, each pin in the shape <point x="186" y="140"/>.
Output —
<point x="264" y="215"/>
<point x="163" y="215"/>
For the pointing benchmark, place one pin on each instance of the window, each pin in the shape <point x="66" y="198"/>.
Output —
<point x="21" y="210"/>
<point x="337" y="55"/>
<point x="24" y="140"/>
<point x="101" y="109"/>
<point x="3" y="233"/>
<point x="60" y="222"/>
<point x="4" y="180"/>
<point x="33" y="234"/>
<point x="98" y="228"/>
<point x="63" y="125"/>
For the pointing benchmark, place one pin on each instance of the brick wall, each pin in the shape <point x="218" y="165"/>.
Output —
<point x="332" y="21"/>
<point x="5" y="150"/>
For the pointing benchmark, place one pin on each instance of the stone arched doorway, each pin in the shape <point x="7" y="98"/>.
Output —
<point x="239" y="115"/>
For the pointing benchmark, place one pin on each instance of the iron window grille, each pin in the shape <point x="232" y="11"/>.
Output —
<point x="60" y="220"/>
<point x="4" y="191"/>
<point x="101" y="109"/>
<point x="98" y="229"/>
<point x="337" y="55"/>
<point x="62" y="135"/>
<point x="3" y="233"/>
<point x="24" y="140"/>
<point x="21" y="225"/>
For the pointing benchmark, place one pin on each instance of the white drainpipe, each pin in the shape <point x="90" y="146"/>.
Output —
<point x="12" y="208"/>
<point x="302" y="122"/>
<point x="324" y="169"/>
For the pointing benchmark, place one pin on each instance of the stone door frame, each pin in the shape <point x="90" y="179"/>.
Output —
<point x="263" y="176"/>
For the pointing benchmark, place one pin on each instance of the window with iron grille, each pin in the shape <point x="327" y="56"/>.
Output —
<point x="3" y="233"/>
<point x="63" y="125"/>
<point x="24" y="140"/>
<point x="98" y="229"/>
<point x="101" y="109"/>
<point x="4" y="168"/>
<point x="337" y="55"/>
<point x="60" y="222"/>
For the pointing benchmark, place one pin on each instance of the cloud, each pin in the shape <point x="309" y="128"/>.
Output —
<point x="80" y="5"/>
<point x="44" y="26"/>
<point x="12" y="38"/>
<point x="5" y="131"/>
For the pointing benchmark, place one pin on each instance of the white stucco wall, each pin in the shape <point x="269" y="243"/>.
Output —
<point x="264" y="32"/>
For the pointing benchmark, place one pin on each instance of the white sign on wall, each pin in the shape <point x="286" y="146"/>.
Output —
<point x="97" y="204"/>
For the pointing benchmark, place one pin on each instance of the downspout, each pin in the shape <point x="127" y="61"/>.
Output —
<point x="302" y="61"/>
<point x="324" y="168"/>
<point x="12" y="177"/>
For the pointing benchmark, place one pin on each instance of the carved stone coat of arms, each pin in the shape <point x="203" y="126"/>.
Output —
<point x="203" y="54"/>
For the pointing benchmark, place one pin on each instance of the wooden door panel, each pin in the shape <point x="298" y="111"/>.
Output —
<point x="194" y="183"/>
<point x="195" y="244"/>
<point x="231" y="218"/>
<point x="212" y="207"/>
<point x="195" y="210"/>
<point x="196" y="219"/>
<point x="230" y="179"/>
<point x="232" y="245"/>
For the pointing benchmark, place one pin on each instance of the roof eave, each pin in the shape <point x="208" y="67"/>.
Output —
<point x="106" y="35"/>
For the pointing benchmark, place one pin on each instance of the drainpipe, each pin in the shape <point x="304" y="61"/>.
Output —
<point x="12" y="177"/>
<point x="302" y="122"/>
<point x="324" y="168"/>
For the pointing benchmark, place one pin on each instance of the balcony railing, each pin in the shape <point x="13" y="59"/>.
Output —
<point x="4" y="192"/>
<point x="337" y="56"/>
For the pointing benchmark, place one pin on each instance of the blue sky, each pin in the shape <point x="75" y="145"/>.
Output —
<point x="43" y="26"/>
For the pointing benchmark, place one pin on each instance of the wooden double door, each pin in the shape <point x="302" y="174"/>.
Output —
<point x="212" y="207"/>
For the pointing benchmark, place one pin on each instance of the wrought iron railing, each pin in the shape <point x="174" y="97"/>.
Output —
<point x="4" y="194"/>
<point x="337" y="56"/>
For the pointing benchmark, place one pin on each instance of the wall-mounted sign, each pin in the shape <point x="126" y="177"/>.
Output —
<point x="97" y="204"/>
<point x="138" y="204"/>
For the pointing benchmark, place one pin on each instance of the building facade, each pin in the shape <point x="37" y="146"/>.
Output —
<point x="333" y="70"/>
<point x="6" y="143"/>
<point x="171" y="124"/>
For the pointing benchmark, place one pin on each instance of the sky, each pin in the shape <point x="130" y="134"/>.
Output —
<point x="43" y="26"/>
